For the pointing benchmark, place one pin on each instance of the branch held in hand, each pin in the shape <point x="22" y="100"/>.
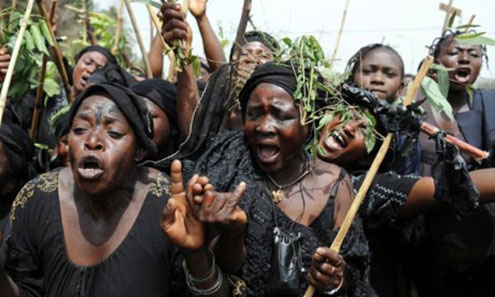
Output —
<point x="15" y="54"/>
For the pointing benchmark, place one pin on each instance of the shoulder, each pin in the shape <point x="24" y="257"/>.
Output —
<point x="43" y="184"/>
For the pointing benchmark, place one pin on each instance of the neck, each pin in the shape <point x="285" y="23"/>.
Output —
<point x="106" y="205"/>
<point x="295" y="166"/>
<point x="457" y="98"/>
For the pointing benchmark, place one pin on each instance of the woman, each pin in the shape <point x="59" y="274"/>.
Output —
<point x="463" y="254"/>
<point x="92" y="229"/>
<point x="161" y="99"/>
<point x="289" y="197"/>
<point x="390" y="203"/>
<point x="217" y="110"/>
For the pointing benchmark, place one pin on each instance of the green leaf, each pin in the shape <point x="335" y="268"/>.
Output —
<point x="443" y="78"/>
<point x="451" y="20"/>
<point x="41" y="146"/>
<point x="46" y="32"/>
<point x="433" y="94"/>
<point x="38" y="39"/>
<point x="467" y="26"/>
<point x="441" y="67"/>
<point x="480" y="40"/>
<point x="29" y="41"/>
<point x="466" y="36"/>
<point x="51" y="88"/>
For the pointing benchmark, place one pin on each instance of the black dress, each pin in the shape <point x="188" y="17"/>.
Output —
<point x="227" y="161"/>
<point x="146" y="263"/>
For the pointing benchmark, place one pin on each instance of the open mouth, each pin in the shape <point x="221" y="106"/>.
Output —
<point x="462" y="75"/>
<point x="379" y="93"/>
<point x="90" y="168"/>
<point x="267" y="153"/>
<point x="337" y="140"/>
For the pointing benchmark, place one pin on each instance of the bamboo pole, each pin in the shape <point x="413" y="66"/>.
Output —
<point x="471" y="20"/>
<point x="13" y="60"/>
<point x="447" y="16"/>
<point x="147" y="66"/>
<point x="172" y="72"/>
<point x="339" y="35"/>
<point x="59" y="61"/>
<point x="351" y="213"/>
<point x="119" y="27"/>
<point x="38" y="103"/>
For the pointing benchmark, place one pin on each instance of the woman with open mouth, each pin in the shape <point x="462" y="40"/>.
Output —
<point x="394" y="207"/>
<point x="294" y="202"/>
<point x="93" y="228"/>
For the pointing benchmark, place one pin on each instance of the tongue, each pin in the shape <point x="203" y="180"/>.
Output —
<point x="266" y="152"/>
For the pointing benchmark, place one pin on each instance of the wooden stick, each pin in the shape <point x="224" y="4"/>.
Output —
<point x="471" y="20"/>
<point x="85" y="25"/>
<point x="351" y="213"/>
<point x="13" y="60"/>
<point x="38" y="103"/>
<point x="465" y="147"/>
<point x="59" y="61"/>
<point x="147" y="66"/>
<point x="119" y="27"/>
<point x="11" y="14"/>
<point x="185" y="7"/>
<point x="172" y="72"/>
<point x="241" y="28"/>
<point x="341" y="29"/>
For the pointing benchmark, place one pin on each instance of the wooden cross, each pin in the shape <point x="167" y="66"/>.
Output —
<point x="449" y="10"/>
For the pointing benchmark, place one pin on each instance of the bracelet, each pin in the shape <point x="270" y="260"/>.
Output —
<point x="335" y="290"/>
<point x="208" y="275"/>
<point x="209" y="291"/>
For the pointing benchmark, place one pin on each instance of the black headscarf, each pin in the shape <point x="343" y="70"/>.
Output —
<point x="130" y="104"/>
<point x="18" y="148"/>
<point x="162" y="93"/>
<point x="112" y="73"/>
<point x="96" y="48"/>
<point x="280" y="75"/>
<point x="252" y="36"/>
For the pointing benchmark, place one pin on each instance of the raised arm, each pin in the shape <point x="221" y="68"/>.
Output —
<point x="421" y="199"/>
<point x="155" y="57"/>
<point x="213" y="49"/>
<point x="176" y="28"/>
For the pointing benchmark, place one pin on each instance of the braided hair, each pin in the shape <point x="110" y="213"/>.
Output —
<point x="447" y="37"/>
<point x="354" y="62"/>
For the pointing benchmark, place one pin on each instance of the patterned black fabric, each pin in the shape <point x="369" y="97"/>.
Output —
<point x="145" y="263"/>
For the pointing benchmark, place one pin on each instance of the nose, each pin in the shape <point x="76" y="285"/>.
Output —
<point x="464" y="57"/>
<point x="266" y="126"/>
<point x="377" y="78"/>
<point x="93" y="141"/>
<point x="352" y="127"/>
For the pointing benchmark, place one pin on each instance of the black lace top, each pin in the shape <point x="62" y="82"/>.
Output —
<point x="146" y="263"/>
<point x="227" y="161"/>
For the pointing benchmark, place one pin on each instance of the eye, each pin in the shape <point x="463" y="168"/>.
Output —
<point x="79" y="130"/>
<point x="115" y="134"/>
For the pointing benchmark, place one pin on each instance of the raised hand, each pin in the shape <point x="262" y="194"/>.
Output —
<point x="4" y="62"/>
<point x="178" y="221"/>
<point x="327" y="271"/>
<point x="220" y="209"/>
<point x="174" y="25"/>
<point x="197" y="8"/>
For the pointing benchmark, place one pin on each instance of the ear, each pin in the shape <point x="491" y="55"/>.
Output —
<point x="140" y="154"/>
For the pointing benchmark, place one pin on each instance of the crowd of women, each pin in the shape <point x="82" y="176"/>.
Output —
<point x="208" y="186"/>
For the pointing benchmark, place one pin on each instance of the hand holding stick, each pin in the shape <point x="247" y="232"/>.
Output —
<point x="351" y="213"/>
<point x="15" y="54"/>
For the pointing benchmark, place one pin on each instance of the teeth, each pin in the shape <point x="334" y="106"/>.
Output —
<point x="340" y="139"/>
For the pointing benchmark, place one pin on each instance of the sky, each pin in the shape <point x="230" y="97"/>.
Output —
<point x="407" y="26"/>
